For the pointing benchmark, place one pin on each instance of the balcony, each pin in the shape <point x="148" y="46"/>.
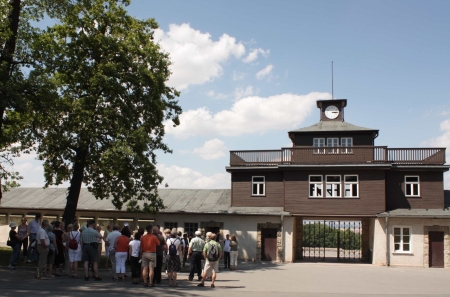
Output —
<point x="339" y="155"/>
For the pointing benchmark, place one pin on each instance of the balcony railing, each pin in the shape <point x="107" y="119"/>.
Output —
<point x="339" y="155"/>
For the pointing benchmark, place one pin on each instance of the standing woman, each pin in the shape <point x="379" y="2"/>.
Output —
<point x="99" y="243"/>
<point x="121" y="247"/>
<point x="51" y="251"/>
<point x="15" y="245"/>
<point x="107" y="248"/>
<point x="173" y="259"/>
<point x="23" y="233"/>
<point x="67" y="267"/>
<point x="59" y="257"/>
<point x="74" y="254"/>
<point x="135" y="246"/>
<point x="233" y="252"/>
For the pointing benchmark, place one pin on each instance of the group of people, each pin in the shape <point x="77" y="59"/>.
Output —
<point x="52" y="248"/>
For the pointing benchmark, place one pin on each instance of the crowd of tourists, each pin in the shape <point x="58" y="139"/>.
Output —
<point x="57" y="250"/>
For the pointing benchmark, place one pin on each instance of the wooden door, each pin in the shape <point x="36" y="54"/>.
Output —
<point x="269" y="244"/>
<point x="436" y="246"/>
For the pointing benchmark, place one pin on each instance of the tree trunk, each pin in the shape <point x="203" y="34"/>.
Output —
<point x="75" y="185"/>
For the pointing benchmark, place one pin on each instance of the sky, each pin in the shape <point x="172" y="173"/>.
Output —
<point x="250" y="71"/>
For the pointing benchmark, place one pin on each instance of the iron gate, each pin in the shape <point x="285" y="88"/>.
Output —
<point x="332" y="240"/>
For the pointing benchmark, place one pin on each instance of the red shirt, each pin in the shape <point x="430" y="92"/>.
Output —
<point x="149" y="243"/>
<point x="122" y="244"/>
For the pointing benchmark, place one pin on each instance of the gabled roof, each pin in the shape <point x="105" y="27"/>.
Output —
<point x="416" y="213"/>
<point x="199" y="201"/>
<point x="325" y="126"/>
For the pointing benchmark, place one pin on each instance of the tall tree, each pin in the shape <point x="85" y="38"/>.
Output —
<point x="113" y="99"/>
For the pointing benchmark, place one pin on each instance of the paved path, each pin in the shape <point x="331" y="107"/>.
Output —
<point x="260" y="279"/>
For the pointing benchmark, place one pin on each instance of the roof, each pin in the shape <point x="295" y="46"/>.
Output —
<point x="416" y="213"/>
<point x="325" y="126"/>
<point x="202" y="201"/>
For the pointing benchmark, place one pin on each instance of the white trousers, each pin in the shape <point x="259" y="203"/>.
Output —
<point x="233" y="258"/>
<point x="121" y="258"/>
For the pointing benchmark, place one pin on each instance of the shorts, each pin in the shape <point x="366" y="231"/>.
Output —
<point x="51" y="258"/>
<point x="214" y="266"/>
<point x="149" y="260"/>
<point x="89" y="253"/>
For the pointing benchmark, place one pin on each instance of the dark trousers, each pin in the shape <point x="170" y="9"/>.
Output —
<point x="226" y="259"/>
<point x="195" y="261"/>
<point x="24" y="244"/>
<point x="157" y="270"/>
<point x="185" y="256"/>
<point x="135" y="267"/>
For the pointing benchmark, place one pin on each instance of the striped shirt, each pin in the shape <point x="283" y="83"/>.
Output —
<point x="89" y="235"/>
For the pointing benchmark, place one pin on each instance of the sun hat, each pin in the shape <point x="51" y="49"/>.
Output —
<point x="13" y="224"/>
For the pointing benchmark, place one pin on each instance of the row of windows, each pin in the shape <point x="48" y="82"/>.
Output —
<point x="336" y="186"/>
<point x="188" y="227"/>
<point x="333" y="142"/>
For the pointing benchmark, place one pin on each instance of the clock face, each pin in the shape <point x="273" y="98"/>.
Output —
<point x="331" y="112"/>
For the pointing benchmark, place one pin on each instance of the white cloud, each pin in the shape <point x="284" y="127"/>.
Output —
<point x="214" y="95"/>
<point x="238" y="75"/>
<point x="264" y="72"/>
<point x="241" y="92"/>
<point x="186" y="178"/>
<point x="253" y="55"/>
<point x="196" y="57"/>
<point x="212" y="149"/>
<point x="247" y="115"/>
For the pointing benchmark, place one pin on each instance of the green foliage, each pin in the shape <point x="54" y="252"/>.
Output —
<point x="324" y="235"/>
<point x="113" y="99"/>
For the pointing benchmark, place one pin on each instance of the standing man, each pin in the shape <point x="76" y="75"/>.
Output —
<point x="42" y="245"/>
<point x="212" y="253"/>
<point x="149" y="242"/>
<point x="226" y="251"/>
<point x="33" y="228"/>
<point x="160" y="249"/>
<point x="109" y="243"/>
<point x="89" y="238"/>
<point x="185" y="251"/>
<point x="195" y="256"/>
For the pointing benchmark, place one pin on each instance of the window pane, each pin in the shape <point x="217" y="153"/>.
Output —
<point x="397" y="231"/>
<point x="255" y="189"/>
<point x="397" y="238"/>
<point x="406" y="247"/>
<point x="258" y="179"/>
<point x="405" y="231"/>
<point x="351" y="178"/>
<point x="406" y="238"/>
<point x="408" y="190"/>
<point x="337" y="190"/>
<point x="315" y="178"/>
<point x="347" y="192"/>
<point x="333" y="178"/>
<point x="261" y="189"/>
<point x="415" y="189"/>
<point x="355" y="190"/>
<point x="412" y="179"/>
<point x="311" y="190"/>
<point x="319" y="190"/>
<point x="396" y="246"/>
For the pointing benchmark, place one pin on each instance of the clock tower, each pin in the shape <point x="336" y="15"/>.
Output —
<point x="332" y="110"/>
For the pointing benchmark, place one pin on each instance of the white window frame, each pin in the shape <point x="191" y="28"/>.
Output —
<point x="319" y="142"/>
<point x="350" y="185"/>
<point x="400" y="241"/>
<point x="332" y="142"/>
<point x="334" y="186"/>
<point x="316" y="185"/>
<point x="346" y="142"/>
<point x="258" y="186"/>
<point x="410" y="185"/>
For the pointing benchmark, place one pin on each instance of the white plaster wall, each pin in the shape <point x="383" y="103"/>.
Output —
<point x="289" y="229"/>
<point x="415" y="257"/>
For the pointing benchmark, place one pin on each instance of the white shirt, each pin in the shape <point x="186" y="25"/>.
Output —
<point x="226" y="245"/>
<point x="175" y="241"/>
<point x="112" y="237"/>
<point x="42" y="234"/>
<point x="135" y="247"/>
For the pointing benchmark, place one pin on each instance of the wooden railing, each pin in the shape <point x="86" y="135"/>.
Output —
<point x="338" y="155"/>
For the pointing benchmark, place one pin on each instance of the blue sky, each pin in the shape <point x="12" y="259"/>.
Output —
<point x="249" y="71"/>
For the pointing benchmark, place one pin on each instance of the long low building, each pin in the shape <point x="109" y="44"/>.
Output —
<point x="187" y="210"/>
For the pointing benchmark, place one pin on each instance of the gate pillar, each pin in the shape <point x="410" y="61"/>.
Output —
<point x="365" y="240"/>
<point x="298" y="238"/>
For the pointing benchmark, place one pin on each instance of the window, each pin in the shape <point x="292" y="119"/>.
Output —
<point x="351" y="186"/>
<point x="333" y="186"/>
<point x="332" y="142"/>
<point x="315" y="186"/>
<point x="190" y="227"/>
<point x="170" y="225"/>
<point x="258" y="186"/>
<point x="346" y="142"/>
<point x="402" y="239"/>
<point x="319" y="142"/>
<point x="412" y="186"/>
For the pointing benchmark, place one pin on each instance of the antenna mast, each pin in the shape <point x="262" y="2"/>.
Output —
<point x="332" y="86"/>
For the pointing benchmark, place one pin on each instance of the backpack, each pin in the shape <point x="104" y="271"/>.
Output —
<point x="173" y="247"/>
<point x="73" y="243"/>
<point x="213" y="253"/>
